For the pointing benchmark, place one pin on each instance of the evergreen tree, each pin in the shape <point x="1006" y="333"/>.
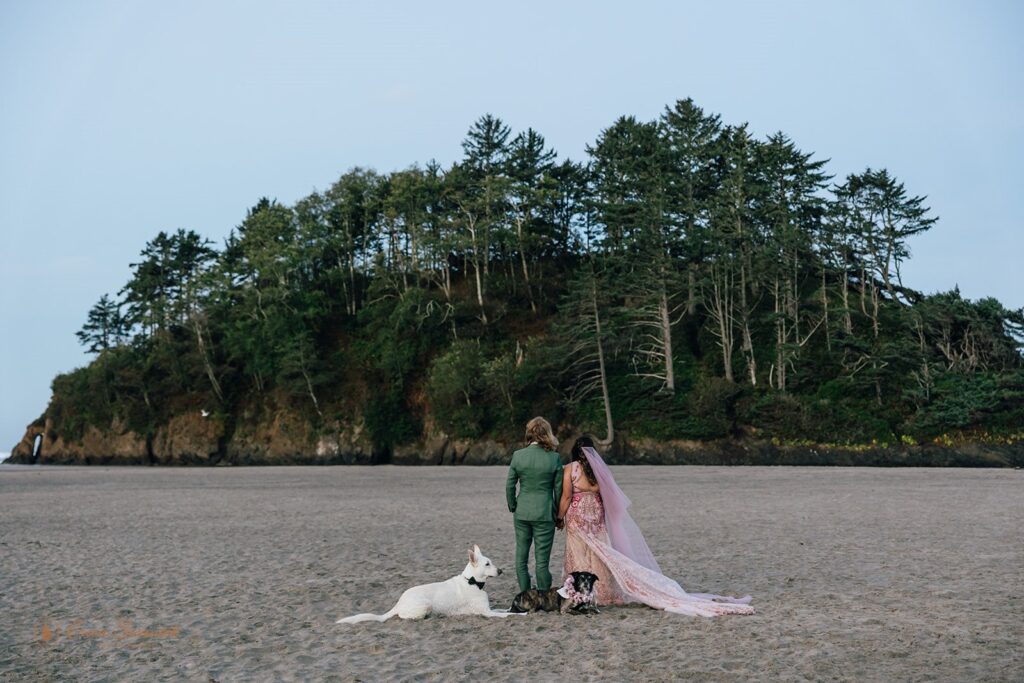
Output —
<point x="105" y="328"/>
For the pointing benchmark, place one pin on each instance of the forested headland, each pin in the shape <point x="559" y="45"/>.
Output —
<point x="687" y="284"/>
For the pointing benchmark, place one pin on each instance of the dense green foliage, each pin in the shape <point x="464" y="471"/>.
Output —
<point x="688" y="281"/>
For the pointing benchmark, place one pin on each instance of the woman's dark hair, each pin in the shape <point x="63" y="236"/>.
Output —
<point x="579" y="456"/>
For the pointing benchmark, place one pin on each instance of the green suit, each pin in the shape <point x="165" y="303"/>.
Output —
<point x="539" y="474"/>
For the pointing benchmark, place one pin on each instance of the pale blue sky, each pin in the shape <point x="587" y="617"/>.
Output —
<point x="120" y="119"/>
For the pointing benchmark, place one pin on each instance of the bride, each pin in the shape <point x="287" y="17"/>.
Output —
<point x="602" y="538"/>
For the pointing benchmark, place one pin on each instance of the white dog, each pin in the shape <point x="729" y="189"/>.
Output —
<point x="462" y="594"/>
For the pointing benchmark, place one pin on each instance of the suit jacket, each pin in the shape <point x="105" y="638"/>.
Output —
<point x="539" y="474"/>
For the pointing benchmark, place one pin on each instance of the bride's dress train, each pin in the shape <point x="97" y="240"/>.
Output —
<point x="632" y="577"/>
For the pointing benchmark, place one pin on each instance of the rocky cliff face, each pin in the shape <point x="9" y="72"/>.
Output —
<point x="283" y="438"/>
<point x="192" y="439"/>
<point x="41" y="444"/>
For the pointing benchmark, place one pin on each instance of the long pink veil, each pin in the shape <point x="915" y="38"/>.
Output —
<point x="625" y="537"/>
<point x="623" y="533"/>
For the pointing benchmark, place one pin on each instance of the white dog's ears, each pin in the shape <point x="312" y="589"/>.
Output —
<point x="472" y="555"/>
<point x="476" y="550"/>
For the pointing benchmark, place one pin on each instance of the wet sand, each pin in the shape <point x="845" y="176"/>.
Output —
<point x="240" y="573"/>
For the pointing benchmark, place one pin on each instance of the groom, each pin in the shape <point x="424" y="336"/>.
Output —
<point x="538" y="471"/>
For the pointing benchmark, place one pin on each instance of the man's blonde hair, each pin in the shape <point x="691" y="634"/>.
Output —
<point x="538" y="429"/>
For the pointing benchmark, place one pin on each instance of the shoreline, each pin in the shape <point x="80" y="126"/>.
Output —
<point x="446" y="452"/>
<point x="116" y="463"/>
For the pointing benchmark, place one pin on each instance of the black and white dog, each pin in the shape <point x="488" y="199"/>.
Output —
<point x="462" y="594"/>
<point x="575" y="596"/>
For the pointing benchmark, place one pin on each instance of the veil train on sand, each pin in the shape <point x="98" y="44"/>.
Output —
<point x="631" y="561"/>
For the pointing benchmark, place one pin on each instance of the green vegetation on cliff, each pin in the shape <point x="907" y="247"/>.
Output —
<point x="687" y="282"/>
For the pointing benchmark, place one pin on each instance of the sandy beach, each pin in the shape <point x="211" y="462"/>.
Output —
<point x="233" y="574"/>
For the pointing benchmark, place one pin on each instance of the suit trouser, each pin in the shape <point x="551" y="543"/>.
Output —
<point x="541" y="534"/>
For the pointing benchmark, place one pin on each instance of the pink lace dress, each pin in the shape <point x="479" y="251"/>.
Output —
<point x="621" y="580"/>
<point x="584" y="525"/>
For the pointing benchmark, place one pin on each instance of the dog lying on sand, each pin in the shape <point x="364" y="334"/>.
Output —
<point x="575" y="596"/>
<point x="462" y="594"/>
